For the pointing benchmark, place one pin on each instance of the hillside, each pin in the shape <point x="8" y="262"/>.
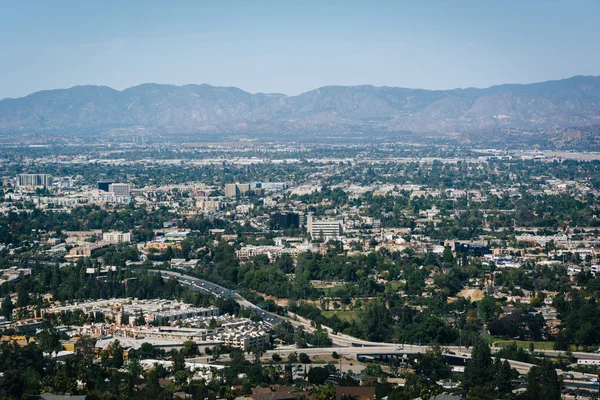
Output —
<point x="563" y="104"/>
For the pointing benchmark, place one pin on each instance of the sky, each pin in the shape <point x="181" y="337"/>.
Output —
<point x="290" y="47"/>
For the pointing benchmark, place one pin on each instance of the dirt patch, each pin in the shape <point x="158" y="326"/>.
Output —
<point x="474" y="294"/>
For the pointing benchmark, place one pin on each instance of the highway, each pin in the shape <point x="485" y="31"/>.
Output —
<point x="270" y="318"/>
<point x="220" y="291"/>
<point x="350" y="346"/>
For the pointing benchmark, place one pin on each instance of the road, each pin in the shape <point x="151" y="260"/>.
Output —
<point x="220" y="291"/>
<point x="270" y="318"/>
<point x="345" y="345"/>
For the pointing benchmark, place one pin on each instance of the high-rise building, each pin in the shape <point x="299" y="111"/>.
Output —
<point x="231" y="190"/>
<point x="236" y="189"/>
<point x="119" y="189"/>
<point x="243" y="188"/>
<point x="34" y="180"/>
<point x="324" y="228"/>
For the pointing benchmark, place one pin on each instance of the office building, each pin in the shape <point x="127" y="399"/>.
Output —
<point x="324" y="228"/>
<point x="34" y="180"/>
<point x="119" y="189"/>
<point x="104" y="184"/>
<point x="286" y="219"/>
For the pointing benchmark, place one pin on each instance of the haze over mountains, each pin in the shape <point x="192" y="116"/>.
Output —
<point x="572" y="102"/>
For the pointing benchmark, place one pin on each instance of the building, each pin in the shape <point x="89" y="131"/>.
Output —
<point x="34" y="180"/>
<point x="271" y="186"/>
<point x="104" y="185"/>
<point x="157" y="311"/>
<point x="248" y="252"/>
<point x="231" y="190"/>
<point x="471" y="249"/>
<point x="208" y="205"/>
<point x="116" y="237"/>
<point x="324" y="228"/>
<point x="120" y="189"/>
<point x="100" y="197"/>
<point x="286" y="219"/>
<point x="236" y="189"/>
<point x="66" y="396"/>
<point x="243" y="188"/>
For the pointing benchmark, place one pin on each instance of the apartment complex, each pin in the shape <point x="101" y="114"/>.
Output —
<point x="208" y="205"/>
<point x="154" y="310"/>
<point x="236" y="189"/>
<point x="116" y="237"/>
<point x="34" y="180"/>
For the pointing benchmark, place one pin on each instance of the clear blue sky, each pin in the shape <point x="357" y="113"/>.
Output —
<point x="292" y="46"/>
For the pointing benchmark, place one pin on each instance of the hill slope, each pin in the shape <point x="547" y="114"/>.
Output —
<point x="559" y="104"/>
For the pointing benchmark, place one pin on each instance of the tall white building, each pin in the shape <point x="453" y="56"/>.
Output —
<point x="120" y="189"/>
<point x="324" y="228"/>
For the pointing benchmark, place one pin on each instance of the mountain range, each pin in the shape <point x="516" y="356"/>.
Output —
<point x="551" y="105"/>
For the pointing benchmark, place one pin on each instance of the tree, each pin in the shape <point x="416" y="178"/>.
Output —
<point x="48" y="340"/>
<point x="116" y="353"/>
<point x="146" y="350"/>
<point x="140" y="320"/>
<point x="447" y="256"/>
<point x="247" y="387"/>
<point x="276" y="358"/>
<point x="487" y="307"/>
<point x="181" y="377"/>
<point x="257" y="353"/>
<point x="134" y="368"/>
<point x="324" y="393"/>
<point x="562" y="341"/>
<point x="543" y="383"/>
<point x="304" y="358"/>
<point x="178" y="361"/>
<point x="292" y="358"/>
<point x="433" y="364"/>
<point x="7" y="307"/>
<point x="84" y="349"/>
<point x="318" y="375"/>
<point x="376" y="321"/>
<point x="504" y="376"/>
<point x="479" y="371"/>
<point x="190" y="348"/>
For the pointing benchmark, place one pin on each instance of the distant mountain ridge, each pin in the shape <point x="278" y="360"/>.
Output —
<point x="560" y="104"/>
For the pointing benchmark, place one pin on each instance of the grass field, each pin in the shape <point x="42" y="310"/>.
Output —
<point x="522" y="343"/>
<point x="344" y="315"/>
<point x="330" y="290"/>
